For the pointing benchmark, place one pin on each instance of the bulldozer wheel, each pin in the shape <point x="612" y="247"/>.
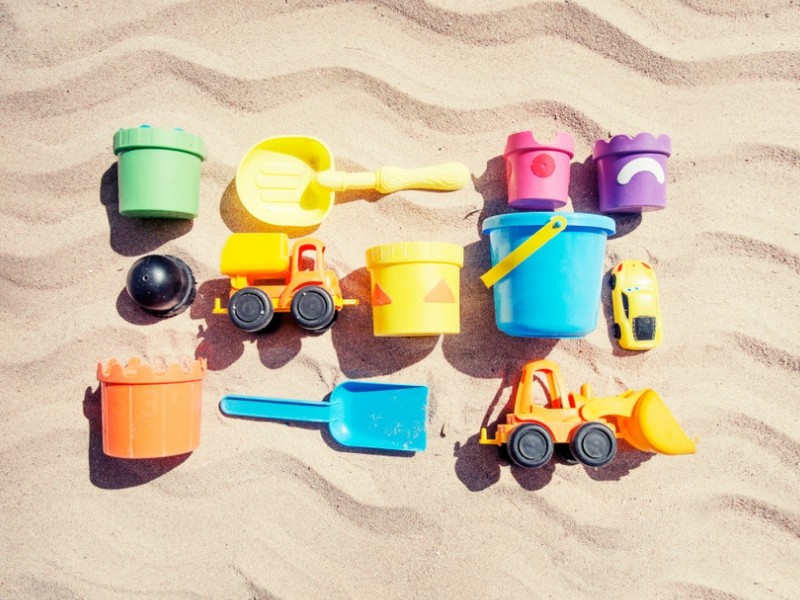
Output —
<point x="250" y="309"/>
<point x="594" y="444"/>
<point x="313" y="308"/>
<point x="530" y="446"/>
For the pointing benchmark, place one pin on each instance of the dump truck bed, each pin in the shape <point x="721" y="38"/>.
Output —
<point x="256" y="255"/>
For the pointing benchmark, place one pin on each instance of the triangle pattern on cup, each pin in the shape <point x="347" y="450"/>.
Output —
<point x="440" y="293"/>
<point x="379" y="296"/>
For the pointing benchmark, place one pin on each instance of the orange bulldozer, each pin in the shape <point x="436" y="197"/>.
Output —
<point x="582" y="427"/>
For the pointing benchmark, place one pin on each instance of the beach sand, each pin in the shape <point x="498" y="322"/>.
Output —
<point x="273" y="510"/>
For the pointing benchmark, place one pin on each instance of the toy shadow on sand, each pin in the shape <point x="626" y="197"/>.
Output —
<point x="132" y="312"/>
<point x="222" y="344"/>
<point x="132" y="236"/>
<point x="584" y="195"/>
<point x="479" y="467"/>
<point x="362" y="354"/>
<point x="111" y="473"/>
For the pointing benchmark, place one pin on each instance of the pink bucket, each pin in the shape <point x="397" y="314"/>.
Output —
<point x="537" y="174"/>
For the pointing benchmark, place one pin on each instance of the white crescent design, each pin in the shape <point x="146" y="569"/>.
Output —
<point x="640" y="165"/>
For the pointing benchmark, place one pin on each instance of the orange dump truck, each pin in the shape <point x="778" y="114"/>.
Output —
<point x="584" y="427"/>
<point x="267" y="279"/>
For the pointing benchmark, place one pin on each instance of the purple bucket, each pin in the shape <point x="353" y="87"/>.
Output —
<point x="537" y="173"/>
<point x="632" y="172"/>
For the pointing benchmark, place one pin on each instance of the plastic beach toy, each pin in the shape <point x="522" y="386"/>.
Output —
<point x="161" y="284"/>
<point x="158" y="172"/>
<point x="521" y="253"/>
<point x="290" y="181"/>
<point x="551" y="289"/>
<point x="582" y="427"/>
<point x="632" y="172"/>
<point x="150" y="413"/>
<point x="537" y="173"/>
<point x="385" y="416"/>
<point x="637" y="312"/>
<point x="415" y="288"/>
<point x="266" y="279"/>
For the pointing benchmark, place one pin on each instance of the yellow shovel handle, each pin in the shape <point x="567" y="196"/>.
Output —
<point x="444" y="177"/>
<point x="548" y="231"/>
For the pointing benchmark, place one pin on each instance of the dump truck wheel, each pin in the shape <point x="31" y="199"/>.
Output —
<point x="594" y="444"/>
<point x="612" y="281"/>
<point x="250" y="309"/>
<point x="530" y="446"/>
<point x="617" y="331"/>
<point x="313" y="308"/>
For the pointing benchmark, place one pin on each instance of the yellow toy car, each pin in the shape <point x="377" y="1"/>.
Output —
<point x="637" y="314"/>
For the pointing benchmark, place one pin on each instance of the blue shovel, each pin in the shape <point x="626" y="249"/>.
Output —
<point x="385" y="416"/>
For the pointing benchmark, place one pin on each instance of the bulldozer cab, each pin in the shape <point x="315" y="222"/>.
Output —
<point x="546" y="372"/>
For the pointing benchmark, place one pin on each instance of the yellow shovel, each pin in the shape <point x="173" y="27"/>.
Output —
<point x="291" y="180"/>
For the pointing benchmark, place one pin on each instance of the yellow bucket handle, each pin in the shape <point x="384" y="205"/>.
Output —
<point x="547" y="232"/>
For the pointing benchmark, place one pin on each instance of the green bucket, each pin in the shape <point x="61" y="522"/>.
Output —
<point x="158" y="172"/>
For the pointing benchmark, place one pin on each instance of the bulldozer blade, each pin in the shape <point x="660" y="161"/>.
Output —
<point x="654" y="426"/>
<point x="643" y="420"/>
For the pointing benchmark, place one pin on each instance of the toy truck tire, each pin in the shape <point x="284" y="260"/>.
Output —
<point x="530" y="446"/>
<point x="250" y="309"/>
<point x="594" y="444"/>
<point x="313" y="308"/>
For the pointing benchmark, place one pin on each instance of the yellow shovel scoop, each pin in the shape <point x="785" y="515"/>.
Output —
<point x="291" y="180"/>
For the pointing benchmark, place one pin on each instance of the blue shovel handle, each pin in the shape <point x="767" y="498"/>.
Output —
<point x="280" y="409"/>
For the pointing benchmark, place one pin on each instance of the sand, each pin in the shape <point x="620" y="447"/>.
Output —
<point x="270" y="510"/>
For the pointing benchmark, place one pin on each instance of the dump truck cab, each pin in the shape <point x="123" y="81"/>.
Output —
<point x="266" y="279"/>
<point x="308" y="268"/>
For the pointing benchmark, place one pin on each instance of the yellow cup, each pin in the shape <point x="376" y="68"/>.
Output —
<point x="415" y="288"/>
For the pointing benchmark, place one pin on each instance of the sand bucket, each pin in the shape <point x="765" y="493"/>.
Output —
<point x="415" y="288"/>
<point x="537" y="173"/>
<point x="150" y="413"/>
<point x="555" y="291"/>
<point x="632" y="172"/>
<point x="158" y="172"/>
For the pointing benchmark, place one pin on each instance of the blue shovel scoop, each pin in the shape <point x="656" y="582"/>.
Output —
<point x="385" y="416"/>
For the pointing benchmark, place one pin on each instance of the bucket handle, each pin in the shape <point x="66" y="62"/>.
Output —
<point x="547" y="232"/>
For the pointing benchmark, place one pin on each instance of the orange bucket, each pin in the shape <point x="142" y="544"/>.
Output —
<point x="150" y="413"/>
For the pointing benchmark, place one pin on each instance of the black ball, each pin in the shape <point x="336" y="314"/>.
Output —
<point x="160" y="284"/>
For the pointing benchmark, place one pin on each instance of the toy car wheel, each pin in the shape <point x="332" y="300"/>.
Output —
<point x="530" y="446"/>
<point x="612" y="281"/>
<point x="313" y="308"/>
<point x="250" y="309"/>
<point x="594" y="444"/>
<point x="617" y="331"/>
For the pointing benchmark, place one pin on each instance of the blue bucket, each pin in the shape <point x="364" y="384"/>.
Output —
<point x="555" y="292"/>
